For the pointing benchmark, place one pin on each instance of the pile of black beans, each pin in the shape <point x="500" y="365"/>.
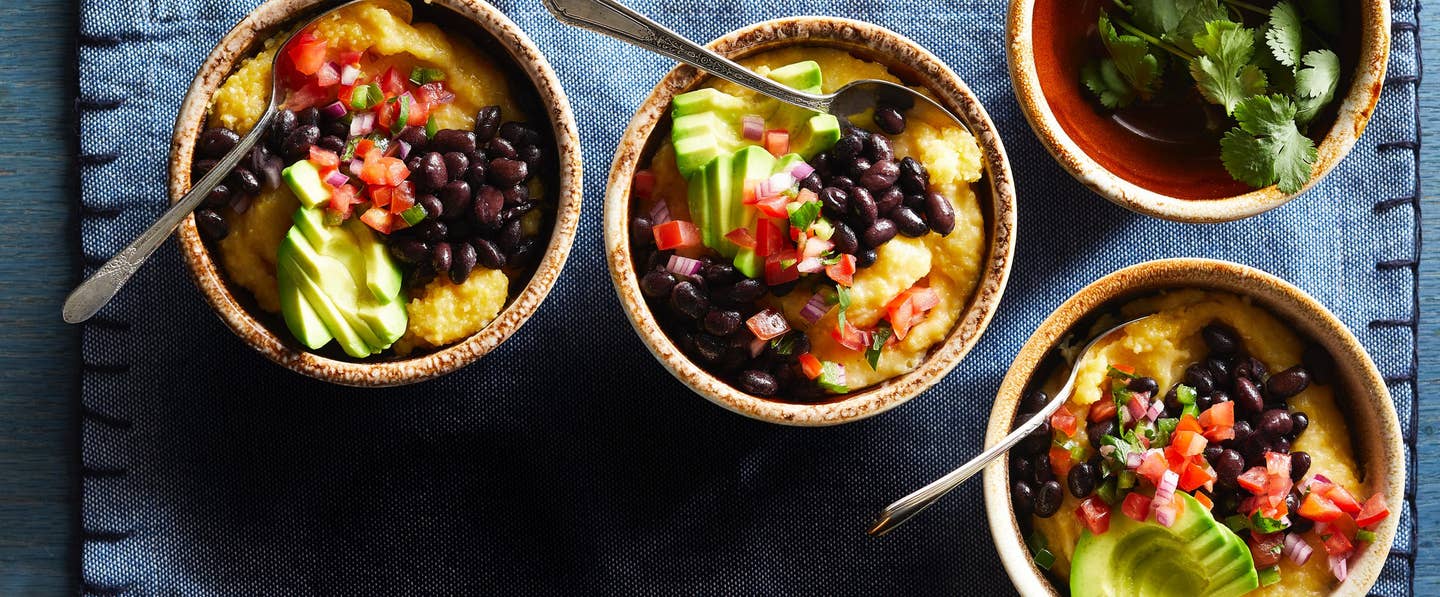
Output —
<point x="870" y="196"/>
<point x="474" y="186"/>
<point x="289" y="139"/>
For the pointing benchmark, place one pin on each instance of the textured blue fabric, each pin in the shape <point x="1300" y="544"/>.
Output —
<point x="568" y="459"/>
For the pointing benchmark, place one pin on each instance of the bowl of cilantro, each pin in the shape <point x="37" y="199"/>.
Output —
<point x="1198" y="110"/>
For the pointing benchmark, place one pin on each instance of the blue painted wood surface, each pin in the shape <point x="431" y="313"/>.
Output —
<point x="39" y="354"/>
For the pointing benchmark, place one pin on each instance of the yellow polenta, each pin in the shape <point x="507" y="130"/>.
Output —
<point x="1162" y="347"/>
<point x="949" y="264"/>
<point x="441" y="312"/>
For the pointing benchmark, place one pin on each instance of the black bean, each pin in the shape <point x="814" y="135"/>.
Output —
<point x="880" y="232"/>
<point x="1228" y="466"/>
<point x="500" y="148"/>
<point x="708" y="349"/>
<point x="1217" y="397"/>
<point x="657" y="284"/>
<point x="1041" y="470"/>
<point x="1288" y="383"/>
<point x="834" y="201"/>
<point x="218" y="196"/>
<point x="440" y="257"/>
<point x="1022" y="494"/>
<point x="1252" y="369"/>
<point x="889" y="120"/>
<point x="308" y="116"/>
<point x="216" y="142"/>
<point x="202" y="167"/>
<point x="413" y="136"/>
<point x="1299" y="465"/>
<point x="1203" y="401"/>
<point x="447" y="140"/>
<point x="1143" y="384"/>
<point x="410" y="251"/>
<point x="297" y="145"/>
<point x="720" y="274"/>
<point x="487" y="122"/>
<point x="432" y="231"/>
<point x="940" y="213"/>
<point x="887" y="199"/>
<point x="460" y="231"/>
<point x="1220" y="338"/>
<point x="855" y="131"/>
<point x="519" y="134"/>
<point x="1038" y="440"/>
<point x="284" y="122"/>
<point x="1212" y="452"/>
<point x="432" y="205"/>
<point x="454" y="198"/>
<point x="1048" y="498"/>
<point x="533" y="157"/>
<point x="863" y="210"/>
<point x="844" y="239"/>
<point x="757" y="382"/>
<point x="812" y="183"/>
<point x="1198" y="377"/>
<point x="1172" y="401"/>
<point x="507" y="172"/>
<point x="1081" y="480"/>
<point x="1299" y="422"/>
<point x="1247" y="396"/>
<point x="857" y="169"/>
<point x="212" y="225"/>
<point x="510" y="235"/>
<point x="488" y="202"/>
<point x="335" y="128"/>
<point x="784" y="289"/>
<point x="463" y="262"/>
<point x="243" y="181"/>
<point x="866" y="258"/>
<point x="1034" y="401"/>
<point x="917" y="175"/>
<point x="722" y="323"/>
<point x="847" y="149"/>
<point x="515" y="213"/>
<point x="1243" y="431"/>
<point x="748" y="290"/>
<point x="641" y="230"/>
<point x="689" y="300"/>
<point x="1318" y="363"/>
<point x="456" y="164"/>
<point x="879" y="149"/>
<point x="332" y="143"/>
<point x="432" y="173"/>
<point x="1099" y="429"/>
<point x="1021" y="467"/>
<point x="477" y="174"/>
<point x="908" y="222"/>
<point x="1220" y="370"/>
<point x="1276" y="422"/>
<point x="487" y="253"/>
<point x="1279" y="444"/>
<point x="523" y="253"/>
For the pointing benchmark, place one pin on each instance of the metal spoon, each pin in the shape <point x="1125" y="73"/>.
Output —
<point x="623" y="23"/>
<point x="101" y="286"/>
<point x="904" y="508"/>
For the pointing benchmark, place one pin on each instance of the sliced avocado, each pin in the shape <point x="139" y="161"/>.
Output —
<point x="694" y="153"/>
<point x="719" y="192"/>
<point x="819" y="133"/>
<point x="705" y="100"/>
<point x="387" y="320"/>
<point x="300" y="254"/>
<point x="752" y="162"/>
<point x="326" y="239"/>
<point x="786" y="163"/>
<point x="304" y="180"/>
<point x="804" y="76"/>
<point x="1195" y="556"/>
<point x="300" y="317"/>
<point x="382" y="275"/>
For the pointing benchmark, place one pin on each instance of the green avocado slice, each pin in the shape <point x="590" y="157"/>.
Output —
<point x="1197" y="555"/>
<point x="297" y="256"/>
<point x="304" y="179"/>
<point x="302" y="319"/>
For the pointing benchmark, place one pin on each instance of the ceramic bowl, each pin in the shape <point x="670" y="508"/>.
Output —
<point x="493" y="32"/>
<point x="1363" y="395"/>
<point x="995" y="191"/>
<point x="1045" y="62"/>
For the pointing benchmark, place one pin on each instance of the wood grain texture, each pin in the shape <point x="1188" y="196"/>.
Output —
<point x="39" y="356"/>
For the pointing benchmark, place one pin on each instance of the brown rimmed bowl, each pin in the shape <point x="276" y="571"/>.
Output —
<point x="500" y="38"/>
<point x="911" y="63"/>
<point x="1046" y="54"/>
<point x="1363" y="396"/>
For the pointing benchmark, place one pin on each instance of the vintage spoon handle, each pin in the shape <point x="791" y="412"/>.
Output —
<point x="623" y="23"/>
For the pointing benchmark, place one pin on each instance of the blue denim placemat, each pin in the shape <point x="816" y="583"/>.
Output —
<point x="568" y="460"/>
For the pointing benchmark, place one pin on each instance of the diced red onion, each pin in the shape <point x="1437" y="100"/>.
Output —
<point x="1155" y="411"/>
<point x="1137" y="409"/>
<point x="1322" y="479"/>
<point x="405" y="98"/>
<point x="684" y="266"/>
<point x="328" y="72"/>
<point x="801" y="170"/>
<point x="240" y="202"/>
<point x="335" y="178"/>
<point x="757" y="346"/>
<point x="271" y="169"/>
<point x="1133" y="460"/>
<point x="810" y="265"/>
<point x="753" y="126"/>
<point x="335" y="109"/>
<point x="1166" y="488"/>
<point x="768" y="324"/>
<point x="349" y="74"/>
<point x="660" y="213"/>
<point x="1165" y="515"/>
<point x="398" y="149"/>
<point x="1297" y="549"/>
<point x="780" y="182"/>
<point x="362" y="124"/>
<point x="815" y="247"/>
<point x="1107" y="450"/>
<point x="1340" y="567"/>
<point x="814" y="308"/>
<point x="356" y="165"/>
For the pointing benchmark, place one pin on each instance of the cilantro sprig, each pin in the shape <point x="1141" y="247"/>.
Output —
<point x="1270" y="69"/>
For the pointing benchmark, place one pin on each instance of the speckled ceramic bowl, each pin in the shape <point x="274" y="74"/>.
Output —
<point x="1045" y="62"/>
<point x="996" y="192"/>
<point x="1363" y="395"/>
<point x="493" y="32"/>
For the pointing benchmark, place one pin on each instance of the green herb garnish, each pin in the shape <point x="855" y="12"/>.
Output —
<point x="805" y="215"/>
<point x="877" y="343"/>
<point x="404" y="116"/>
<point x="784" y="345"/>
<point x="1266" y="525"/>
<point x="832" y="377"/>
<point x="842" y="294"/>
<point x="1237" y="522"/>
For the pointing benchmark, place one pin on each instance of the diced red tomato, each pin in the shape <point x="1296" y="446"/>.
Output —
<point x="1266" y="549"/>
<point x="902" y="316"/>
<point x="306" y="52"/>
<point x="402" y="198"/>
<point x="1103" y="410"/>
<point x="1337" y="544"/>
<point x="1060" y="461"/>
<point x="748" y="196"/>
<point x="1204" y="500"/>
<point x="842" y="271"/>
<point x="1136" y="506"/>
<point x="925" y="298"/>
<point x="773" y="207"/>
<point x="810" y="366"/>
<point x="777" y="142"/>
<point x="385" y="115"/>
<point x="1342" y="499"/>
<point x="676" y="234"/>
<point x="309" y="94"/>
<point x="380" y="170"/>
<point x="1095" y="514"/>
<point x="1189" y="443"/>
<point x="1374" y="511"/>
<point x="644" y="184"/>
<point x="1197" y="475"/>
<point x="323" y="158"/>
<point x="1278" y="465"/>
<point x="434" y="93"/>
<point x="344" y="93"/>
<point x="1189" y="423"/>
<point x="1220" y="415"/>
<point x="850" y="336"/>
<point x="769" y="238"/>
<point x="741" y="237"/>
<point x="1344" y="525"/>
<point x="349" y="57"/>
<point x="363" y="147"/>
<point x="419" y="112"/>
<point x="776" y="270"/>
<point x="1153" y="465"/>
<point x="1065" y="421"/>
<point x="1254" y="480"/>
<point x="380" y="196"/>
<point x="1319" y="508"/>
<point x="392" y="83"/>
<point x="767" y="324"/>
<point x="377" y="218"/>
<point x="343" y="198"/>
<point x="1220" y="434"/>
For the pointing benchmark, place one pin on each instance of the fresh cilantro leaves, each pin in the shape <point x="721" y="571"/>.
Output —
<point x="1284" y="34"/>
<point x="1315" y="84"/>
<point x="1267" y="147"/>
<point x="877" y="343"/>
<point x="1223" y="72"/>
<point x="805" y="215"/>
<point x="843" y="295"/>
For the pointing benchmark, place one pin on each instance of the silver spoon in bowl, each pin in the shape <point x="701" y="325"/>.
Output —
<point x="101" y="286"/>
<point x="623" y="23"/>
<point x="904" y="508"/>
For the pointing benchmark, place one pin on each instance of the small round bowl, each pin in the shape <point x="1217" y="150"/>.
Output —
<point x="1045" y="65"/>
<point x="916" y="66"/>
<point x="1364" y="397"/>
<point x="500" y="38"/>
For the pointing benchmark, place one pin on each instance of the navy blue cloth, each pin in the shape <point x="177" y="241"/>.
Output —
<point x="568" y="460"/>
